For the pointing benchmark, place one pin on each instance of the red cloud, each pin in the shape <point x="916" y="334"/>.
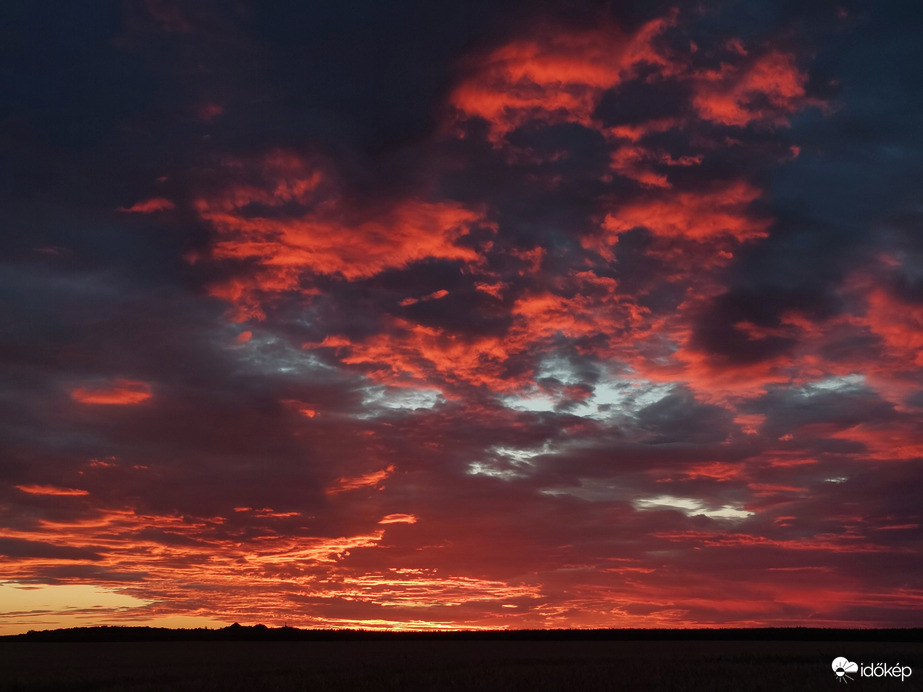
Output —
<point x="886" y="442"/>
<point x="554" y="76"/>
<point x="770" y="89"/>
<point x="408" y="232"/>
<point x="366" y="480"/>
<point x="119" y="393"/>
<point x="435" y="295"/>
<point x="398" y="519"/>
<point x="634" y="161"/>
<point x="331" y="236"/>
<point x="306" y="410"/>
<point x="692" y="215"/>
<point x="406" y="353"/>
<point x="149" y="206"/>
<point x="51" y="490"/>
<point x="899" y="324"/>
<point x="209" y="111"/>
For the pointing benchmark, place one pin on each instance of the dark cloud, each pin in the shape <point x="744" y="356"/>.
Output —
<point x="77" y="105"/>
<point x="678" y="417"/>
<point x="640" y="101"/>
<point x="18" y="549"/>
<point x="725" y="330"/>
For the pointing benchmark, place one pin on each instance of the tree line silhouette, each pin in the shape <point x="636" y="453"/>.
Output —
<point x="237" y="632"/>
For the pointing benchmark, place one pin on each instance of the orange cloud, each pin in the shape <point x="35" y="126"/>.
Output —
<point x="493" y="289"/>
<point x="267" y="512"/>
<point x="769" y="88"/>
<point x="715" y="470"/>
<point x="436" y="295"/>
<point x="420" y="588"/>
<point x="714" y="379"/>
<point x="835" y="543"/>
<point x="405" y="353"/>
<point x="408" y="353"/>
<point x="119" y="393"/>
<point x="554" y="76"/>
<point x="634" y="161"/>
<point x="306" y="410"/>
<point x="398" y="519"/>
<point x="886" y="442"/>
<point x="50" y="490"/>
<point x="698" y="216"/>
<point x="241" y="573"/>
<point x="629" y="162"/>
<point x="351" y="483"/>
<point x="750" y="422"/>
<point x="410" y="231"/>
<point x="876" y="312"/>
<point x="328" y="236"/>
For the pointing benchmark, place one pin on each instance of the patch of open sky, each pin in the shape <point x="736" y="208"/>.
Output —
<point x="507" y="463"/>
<point x="691" y="507"/>
<point x="533" y="400"/>
<point x="844" y="383"/>
<point x="616" y="397"/>
<point x="612" y="396"/>
<point x="592" y="490"/>
<point x="266" y="353"/>
<point x="609" y="490"/>
<point x="380" y="400"/>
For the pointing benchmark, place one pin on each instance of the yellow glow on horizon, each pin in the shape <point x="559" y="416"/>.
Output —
<point x="16" y="598"/>
<point x="33" y="606"/>
<point x="25" y="607"/>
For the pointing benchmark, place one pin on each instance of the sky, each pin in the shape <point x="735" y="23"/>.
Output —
<point x="490" y="314"/>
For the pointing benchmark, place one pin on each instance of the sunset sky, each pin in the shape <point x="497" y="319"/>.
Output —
<point x="467" y="315"/>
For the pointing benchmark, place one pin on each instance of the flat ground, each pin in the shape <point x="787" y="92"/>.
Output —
<point x="569" y="666"/>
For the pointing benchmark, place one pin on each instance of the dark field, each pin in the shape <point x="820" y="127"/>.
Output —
<point x="679" y="666"/>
